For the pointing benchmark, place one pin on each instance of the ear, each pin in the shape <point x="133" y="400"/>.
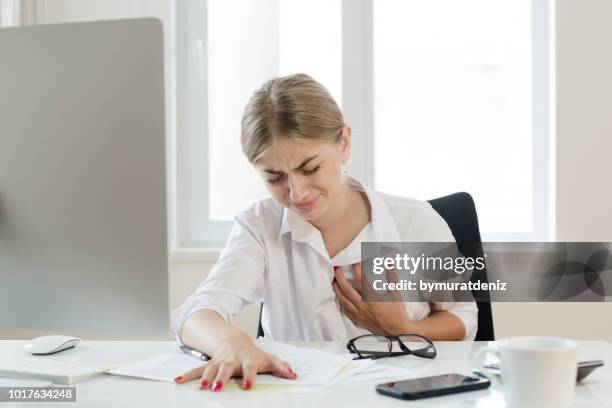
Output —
<point x="345" y="143"/>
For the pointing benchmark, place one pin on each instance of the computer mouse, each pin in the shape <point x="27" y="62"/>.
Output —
<point x="50" y="344"/>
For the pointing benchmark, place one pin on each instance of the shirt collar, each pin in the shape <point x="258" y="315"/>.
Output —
<point x="300" y="228"/>
<point x="384" y="228"/>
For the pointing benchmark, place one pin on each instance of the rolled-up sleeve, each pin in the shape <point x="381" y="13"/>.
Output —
<point x="236" y="279"/>
<point x="467" y="312"/>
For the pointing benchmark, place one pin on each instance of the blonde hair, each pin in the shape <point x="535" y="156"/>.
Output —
<point x="294" y="106"/>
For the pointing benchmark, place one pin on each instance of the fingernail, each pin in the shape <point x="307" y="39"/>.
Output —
<point x="218" y="386"/>
<point x="204" y="384"/>
<point x="336" y="268"/>
<point x="334" y="281"/>
<point x="247" y="385"/>
<point x="292" y="372"/>
<point x="177" y="379"/>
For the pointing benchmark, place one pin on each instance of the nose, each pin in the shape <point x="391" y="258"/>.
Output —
<point x="298" y="188"/>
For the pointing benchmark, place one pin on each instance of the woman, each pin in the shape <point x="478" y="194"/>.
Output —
<point x="285" y="250"/>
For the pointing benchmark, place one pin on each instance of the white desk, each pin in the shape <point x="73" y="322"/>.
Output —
<point x="112" y="391"/>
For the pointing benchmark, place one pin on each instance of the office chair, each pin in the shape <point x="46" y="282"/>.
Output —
<point x="459" y="212"/>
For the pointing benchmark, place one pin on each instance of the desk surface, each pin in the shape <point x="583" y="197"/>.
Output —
<point x="107" y="391"/>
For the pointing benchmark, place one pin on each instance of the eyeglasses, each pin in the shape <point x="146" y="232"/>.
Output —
<point x="377" y="346"/>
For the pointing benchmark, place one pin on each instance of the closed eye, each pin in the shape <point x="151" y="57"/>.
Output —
<point x="282" y="177"/>
<point x="311" y="172"/>
<point x="277" y="180"/>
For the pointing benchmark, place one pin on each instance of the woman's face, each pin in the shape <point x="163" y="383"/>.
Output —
<point x="305" y="176"/>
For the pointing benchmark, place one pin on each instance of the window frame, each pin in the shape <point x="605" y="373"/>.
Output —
<point x="191" y="173"/>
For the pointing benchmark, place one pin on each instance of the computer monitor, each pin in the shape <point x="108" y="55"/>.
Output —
<point x="83" y="245"/>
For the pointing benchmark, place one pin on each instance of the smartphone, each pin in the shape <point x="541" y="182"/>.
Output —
<point x="432" y="386"/>
<point x="584" y="368"/>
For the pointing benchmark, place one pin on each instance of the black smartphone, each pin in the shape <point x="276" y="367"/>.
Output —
<point x="432" y="386"/>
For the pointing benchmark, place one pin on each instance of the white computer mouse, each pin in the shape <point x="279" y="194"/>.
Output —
<point x="50" y="344"/>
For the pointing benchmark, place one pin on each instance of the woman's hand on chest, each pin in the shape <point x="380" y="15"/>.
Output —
<point x="387" y="317"/>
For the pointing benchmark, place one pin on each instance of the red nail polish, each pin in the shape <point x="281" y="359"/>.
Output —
<point x="177" y="379"/>
<point x="218" y="386"/>
<point x="247" y="385"/>
<point x="334" y="281"/>
<point x="204" y="384"/>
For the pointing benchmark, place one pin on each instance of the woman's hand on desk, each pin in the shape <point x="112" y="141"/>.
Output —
<point x="237" y="357"/>
<point x="377" y="317"/>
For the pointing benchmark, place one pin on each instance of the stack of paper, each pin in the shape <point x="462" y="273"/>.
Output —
<point x="314" y="367"/>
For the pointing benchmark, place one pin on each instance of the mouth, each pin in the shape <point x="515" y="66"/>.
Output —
<point x="305" y="206"/>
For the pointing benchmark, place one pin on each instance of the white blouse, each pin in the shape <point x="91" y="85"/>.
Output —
<point x="275" y="256"/>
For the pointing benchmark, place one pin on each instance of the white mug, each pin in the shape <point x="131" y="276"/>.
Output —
<point x="535" y="371"/>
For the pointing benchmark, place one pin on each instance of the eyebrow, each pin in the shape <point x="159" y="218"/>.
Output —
<point x="301" y="166"/>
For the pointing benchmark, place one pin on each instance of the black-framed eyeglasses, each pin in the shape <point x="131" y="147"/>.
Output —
<point x="377" y="346"/>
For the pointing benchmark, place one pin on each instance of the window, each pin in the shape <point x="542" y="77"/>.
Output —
<point x="274" y="39"/>
<point x="453" y="96"/>
<point x="453" y="93"/>
<point x="8" y="13"/>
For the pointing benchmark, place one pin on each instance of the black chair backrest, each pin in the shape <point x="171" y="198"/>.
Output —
<point x="459" y="212"/>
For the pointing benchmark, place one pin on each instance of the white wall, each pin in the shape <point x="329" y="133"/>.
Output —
<point x="583" y="164"/>
<point x="584" y="140"/>
<point x="584" y="120"/>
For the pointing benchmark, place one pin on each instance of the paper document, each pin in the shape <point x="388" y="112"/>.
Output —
<point x="353" y="368"/>
<point x="161" y="368"/>
<point x="323" y="368"/>
<point x="377" y="373"/>
<point x="313" y="367"/>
